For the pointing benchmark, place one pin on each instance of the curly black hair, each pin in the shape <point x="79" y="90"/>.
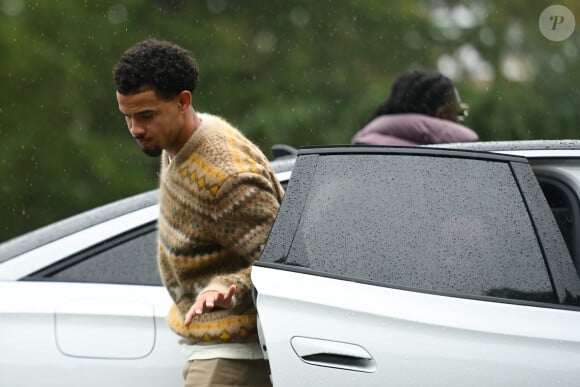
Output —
<point x="162" y="66"/>
<point x="418" y="92"/>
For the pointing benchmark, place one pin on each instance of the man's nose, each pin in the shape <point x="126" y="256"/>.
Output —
<point x="135" y="128"/>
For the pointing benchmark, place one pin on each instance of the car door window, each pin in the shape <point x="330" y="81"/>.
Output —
<point x="564" y="205"/>
<point x="428" y="223"/>
<point x="127" y="259"/>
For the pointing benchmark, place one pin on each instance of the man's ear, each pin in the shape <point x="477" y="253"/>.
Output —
<point x="184" y="99"/>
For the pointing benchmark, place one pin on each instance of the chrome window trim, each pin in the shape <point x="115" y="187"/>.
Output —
<point x="284" y="176"/>
<point x="547" y="153"/>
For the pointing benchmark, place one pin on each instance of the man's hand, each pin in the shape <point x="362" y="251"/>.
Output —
<point x="208" y="300"/>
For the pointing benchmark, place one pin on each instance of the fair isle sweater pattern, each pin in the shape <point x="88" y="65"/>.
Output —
<point x="218" y="200"/>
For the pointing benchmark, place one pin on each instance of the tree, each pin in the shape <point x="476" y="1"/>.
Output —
<point x="294" y="72"/>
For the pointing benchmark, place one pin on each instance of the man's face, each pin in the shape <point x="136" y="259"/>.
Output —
<point x="155" y="123"/>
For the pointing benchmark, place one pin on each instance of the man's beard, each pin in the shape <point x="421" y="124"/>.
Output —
<point x="153" y="152"/>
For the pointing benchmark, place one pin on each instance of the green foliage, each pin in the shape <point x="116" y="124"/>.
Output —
<point x="294" y="72"/>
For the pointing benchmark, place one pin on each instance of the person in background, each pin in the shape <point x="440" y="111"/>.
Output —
<point x="218" y="199"/>
<point x="423" y="108"/>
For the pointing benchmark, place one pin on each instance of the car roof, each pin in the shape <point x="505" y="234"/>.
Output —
<point x="407" y="150"/>
<point x="513" y="146"/>
<point x="527" y="148"/>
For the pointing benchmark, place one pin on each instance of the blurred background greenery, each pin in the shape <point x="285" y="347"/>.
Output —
<point x="293" y="72"/>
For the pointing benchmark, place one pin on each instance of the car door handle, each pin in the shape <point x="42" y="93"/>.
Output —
<point x="335" y="354"/>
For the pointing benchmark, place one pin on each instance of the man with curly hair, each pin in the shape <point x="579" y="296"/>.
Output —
<point x="218" y="199"/>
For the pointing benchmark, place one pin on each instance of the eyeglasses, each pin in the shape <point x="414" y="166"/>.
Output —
<point x="463" y="111"/>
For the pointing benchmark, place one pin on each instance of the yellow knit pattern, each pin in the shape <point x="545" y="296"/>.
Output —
<point x="218" y="200"/>
<point x="226" y="329"/>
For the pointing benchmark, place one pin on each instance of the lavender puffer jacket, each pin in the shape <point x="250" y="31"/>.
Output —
<point x="412" y="129"/>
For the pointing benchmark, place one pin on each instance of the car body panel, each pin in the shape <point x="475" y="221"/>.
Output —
<point x="108" y="338"/>
<point x="87" y="334"/>
<point x="414" y="339"/>
<point x="90" y="334"/>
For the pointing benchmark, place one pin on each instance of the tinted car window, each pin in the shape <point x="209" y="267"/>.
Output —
<point x="129" y="259"/>
<point x="564" y="205"/>
<point x="429" y="223"/>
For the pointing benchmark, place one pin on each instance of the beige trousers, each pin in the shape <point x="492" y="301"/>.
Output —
<point x="227" y="372"/>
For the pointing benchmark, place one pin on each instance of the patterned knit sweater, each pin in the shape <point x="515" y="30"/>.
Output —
<point x="218" y="200"/>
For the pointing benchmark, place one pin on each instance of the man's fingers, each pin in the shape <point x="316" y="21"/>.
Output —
<point x="231" y="291"/>
<point x="188" y="317"/>
<point x="195" y="310"/>
<point x="209" y="300"/>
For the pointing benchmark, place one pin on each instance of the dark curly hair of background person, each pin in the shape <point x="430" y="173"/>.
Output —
<point x="418" y="92"/>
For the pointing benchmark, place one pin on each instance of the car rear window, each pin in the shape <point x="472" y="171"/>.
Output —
<point x="422" y="222"/>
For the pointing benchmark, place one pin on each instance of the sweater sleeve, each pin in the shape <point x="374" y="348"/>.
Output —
<point x="246" y="206"/>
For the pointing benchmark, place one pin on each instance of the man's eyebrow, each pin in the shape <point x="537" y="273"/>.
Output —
<point x="139" y="113"/>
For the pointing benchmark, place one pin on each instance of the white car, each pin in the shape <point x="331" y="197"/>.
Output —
<point x="425" y="266"/>
<point x="82" y="305"/>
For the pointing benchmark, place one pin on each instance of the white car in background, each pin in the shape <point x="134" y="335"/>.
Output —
<point x="82" y="304"/>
